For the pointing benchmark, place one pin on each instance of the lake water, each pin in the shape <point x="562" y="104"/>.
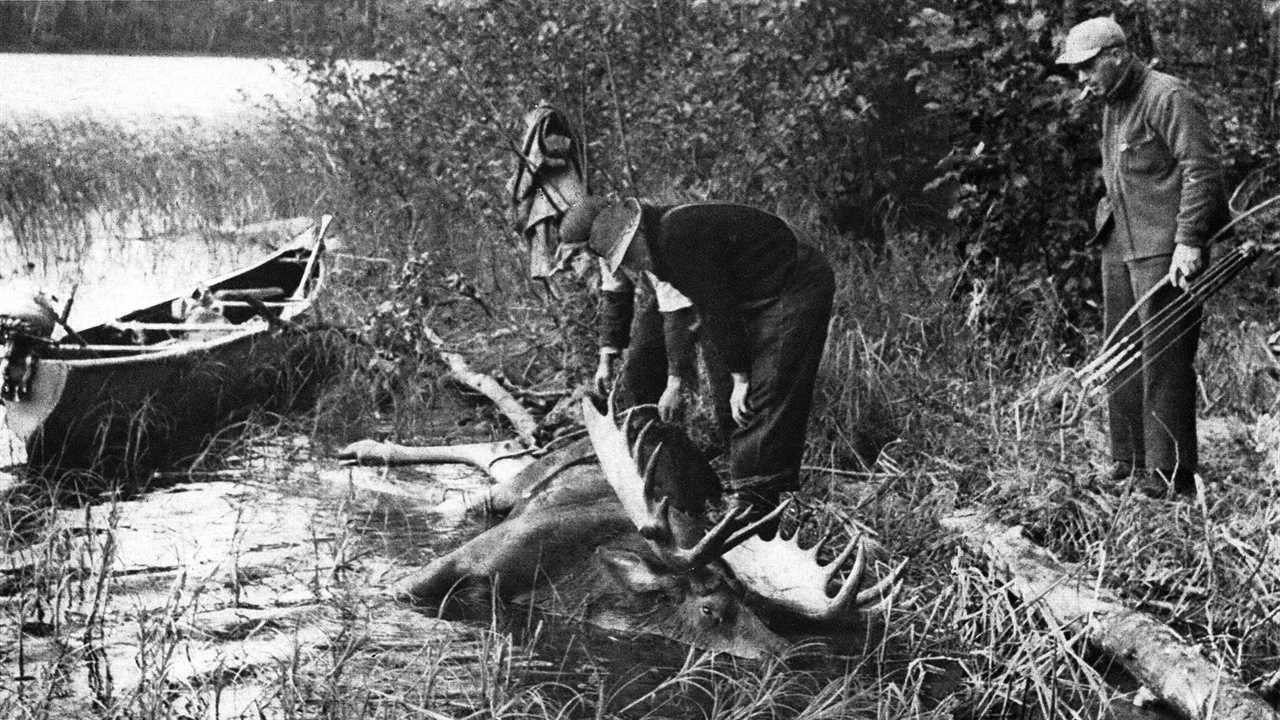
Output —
<point x="38" y="87"/>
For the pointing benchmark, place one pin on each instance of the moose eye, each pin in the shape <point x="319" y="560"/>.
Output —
<point x="712" y="613"/>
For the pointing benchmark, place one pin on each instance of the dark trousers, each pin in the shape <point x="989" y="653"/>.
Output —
<point x="1152" y="403"/>
<point x="644" y="365"/>
<point x="788" y="336"/>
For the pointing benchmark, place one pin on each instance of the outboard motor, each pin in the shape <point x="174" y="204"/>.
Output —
<point x="27" y="319"/>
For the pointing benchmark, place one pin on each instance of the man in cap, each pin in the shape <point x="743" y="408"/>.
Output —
<point x="763" y="299"/>
<point x="550" y="177"/>
<point x="1164" y="201"/>
<point x="648" y="320"/>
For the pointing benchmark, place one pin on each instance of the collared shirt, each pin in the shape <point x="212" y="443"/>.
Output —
<point x="669" y="298"/>
<point x="1160" y="165"/>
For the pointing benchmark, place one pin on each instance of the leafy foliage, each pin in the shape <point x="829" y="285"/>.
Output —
<point x="951" y="115"/>
<point x="760" y="101"/>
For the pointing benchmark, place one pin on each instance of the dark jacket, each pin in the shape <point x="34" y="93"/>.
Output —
<point x="1160" y="165"/>
<point x="730" y="260"/>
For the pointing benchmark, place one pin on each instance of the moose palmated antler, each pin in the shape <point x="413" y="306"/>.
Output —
<point x="777" y="571"/>
<point x="649" y="510"/>
<point x="791" y="578"/>
<point x="731" y="531"/>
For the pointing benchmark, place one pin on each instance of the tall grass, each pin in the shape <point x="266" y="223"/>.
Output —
<point x="921" y="409"/>
<point x="61" y="181"/>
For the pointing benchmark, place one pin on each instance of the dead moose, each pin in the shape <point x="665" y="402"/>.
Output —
<point x="614" y="528"/>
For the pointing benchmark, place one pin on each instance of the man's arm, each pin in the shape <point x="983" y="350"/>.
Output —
<point x="1185" y="127"/>
<point x="617" y="307"/>
<point x="678" y="336"/>
<point x="678" y="322"/>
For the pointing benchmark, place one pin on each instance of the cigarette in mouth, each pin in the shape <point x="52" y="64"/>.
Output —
<point x="1086" y="92"/>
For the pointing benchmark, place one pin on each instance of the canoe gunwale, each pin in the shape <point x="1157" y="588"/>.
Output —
<point x="300" y="300"/>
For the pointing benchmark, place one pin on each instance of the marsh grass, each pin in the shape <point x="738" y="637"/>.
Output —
<point x="62" y="182"/>
<point x="920" y="411"/>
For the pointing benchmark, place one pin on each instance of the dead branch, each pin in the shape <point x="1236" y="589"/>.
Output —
<point x="1153" y="653"/>
<point x="520" y="418"/>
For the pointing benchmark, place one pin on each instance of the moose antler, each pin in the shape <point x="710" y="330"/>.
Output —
<point x="636" y="492"/>
<point x="789" y="577"/>
<point x="777" y="571"/>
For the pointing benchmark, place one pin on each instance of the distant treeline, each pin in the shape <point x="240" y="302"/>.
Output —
<point x="225" y="27"/>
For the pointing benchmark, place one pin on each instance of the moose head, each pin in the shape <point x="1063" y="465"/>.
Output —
<point x="776" y="573"/>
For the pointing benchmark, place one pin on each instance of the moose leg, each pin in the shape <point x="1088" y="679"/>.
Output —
<point x="500" y="460"/>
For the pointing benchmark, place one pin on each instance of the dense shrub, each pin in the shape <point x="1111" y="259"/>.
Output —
<point x="765" y="101"/>
<point x="949" y="115"/>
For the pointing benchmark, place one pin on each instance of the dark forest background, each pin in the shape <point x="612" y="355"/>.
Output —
<point x="238" y="27"/>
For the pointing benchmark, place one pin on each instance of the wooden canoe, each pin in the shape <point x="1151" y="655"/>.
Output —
<point x="159" y="384"/>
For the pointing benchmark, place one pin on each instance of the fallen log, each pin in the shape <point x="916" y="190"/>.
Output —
<point x="1173" y="670"/>
<point x="520" y="418"/>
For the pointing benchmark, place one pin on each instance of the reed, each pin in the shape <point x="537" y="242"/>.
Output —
<point x="63" y="181"/>
<point x="917" y="413"/>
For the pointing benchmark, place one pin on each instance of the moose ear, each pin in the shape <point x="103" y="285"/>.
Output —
<point x="634" y="572"/>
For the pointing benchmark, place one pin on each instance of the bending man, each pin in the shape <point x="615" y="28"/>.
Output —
<point x="764" y="300"/>
<point x="549" y="177"/>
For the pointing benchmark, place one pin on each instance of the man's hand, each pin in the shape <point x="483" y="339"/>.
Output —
<point x="671" y="400"/>
<point x="1187" y="261"/>
<point x="738" y="399"/>
<point x="605" y="369"/>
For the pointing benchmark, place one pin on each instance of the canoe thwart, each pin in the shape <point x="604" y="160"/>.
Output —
<point x="265" y="303"/>
<point x="258" y="293"/>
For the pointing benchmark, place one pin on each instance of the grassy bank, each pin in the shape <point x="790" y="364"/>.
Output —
<point x="924" y="406"/>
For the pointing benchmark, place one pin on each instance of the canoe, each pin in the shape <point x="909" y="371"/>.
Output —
<point x="155" y="386"/>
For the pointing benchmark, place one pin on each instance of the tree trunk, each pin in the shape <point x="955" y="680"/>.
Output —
<point x="1138" y="26"/>
<point x="370" y="24"/>
<point x="1153" y="653"/>
<point x="35" y="22"/>
<point x="1271" y="11"/>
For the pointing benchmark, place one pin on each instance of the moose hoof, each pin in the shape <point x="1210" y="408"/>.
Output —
<point x="366" y="452"/>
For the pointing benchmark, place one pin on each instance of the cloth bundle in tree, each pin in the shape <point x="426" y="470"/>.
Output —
<point x="549" y="178"/>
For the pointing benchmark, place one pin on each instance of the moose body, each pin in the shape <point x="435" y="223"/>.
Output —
<point x="568" y="538"/>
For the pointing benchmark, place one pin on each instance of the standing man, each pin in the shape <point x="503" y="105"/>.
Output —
<point x="1164" y="201"/>
<point x="764" y="300"/>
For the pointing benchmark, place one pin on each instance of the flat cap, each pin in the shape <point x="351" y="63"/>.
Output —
<point x="606" y="227"/>
<point x="1089" y="38"/>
